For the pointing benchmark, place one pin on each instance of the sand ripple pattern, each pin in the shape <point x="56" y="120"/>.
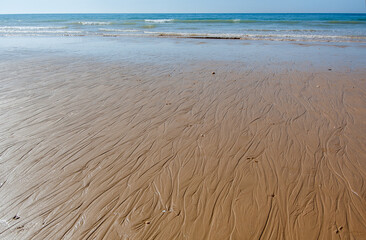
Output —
<point x="115" y="151"/>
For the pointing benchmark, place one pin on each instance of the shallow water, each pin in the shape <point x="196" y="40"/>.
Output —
<point x="162" y="51"/>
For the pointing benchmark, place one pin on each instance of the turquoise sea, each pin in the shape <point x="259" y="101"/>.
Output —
<point x="277" y="27"/>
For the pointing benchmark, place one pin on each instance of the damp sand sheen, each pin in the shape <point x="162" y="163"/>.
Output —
<point x="110" y="150"/>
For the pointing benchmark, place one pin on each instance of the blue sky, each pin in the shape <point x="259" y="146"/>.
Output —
<point x="178" y="6"/>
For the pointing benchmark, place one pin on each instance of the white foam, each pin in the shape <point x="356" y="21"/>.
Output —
<point x="31" y="28"/>
<point x="118" y="30"/>
<point x="120" y="35"/>
<point x="276" y="37"/>
<point x="303" y="36"/>
<point x="159" y="20"/>
<point x="194" y="35"/>
<point x="46" y="31"/>
<point x="39" y="33"/>
<point x="94" y="23"/>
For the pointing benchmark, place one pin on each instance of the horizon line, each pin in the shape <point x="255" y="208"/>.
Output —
<point x="184" y="13"/>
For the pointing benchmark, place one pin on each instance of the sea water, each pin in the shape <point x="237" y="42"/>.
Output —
<point x="277" y="27"/>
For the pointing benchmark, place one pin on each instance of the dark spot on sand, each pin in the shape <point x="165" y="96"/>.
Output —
<point x="168" y="103"/>
<point x="340" y="228"/>
<point x="16" y="217"/>
<point x="147" y="222"/>
<point x="20" y="227"/>
<point x="202" y="135"/>
<point x="272" y="195"/>
<point x="329" y="69"/>
<point x="213" y="73"/>
<point x="337" y="231"/>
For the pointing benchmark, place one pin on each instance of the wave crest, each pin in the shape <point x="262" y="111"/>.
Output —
<point x="159" y="20"/>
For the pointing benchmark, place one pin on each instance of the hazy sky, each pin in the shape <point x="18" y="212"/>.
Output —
<point x="179" y="6"/>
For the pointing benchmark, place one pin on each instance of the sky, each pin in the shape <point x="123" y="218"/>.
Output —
<point x="181" y="6"/>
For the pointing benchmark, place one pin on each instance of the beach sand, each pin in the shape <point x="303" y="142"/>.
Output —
<point x="93" y="150"/>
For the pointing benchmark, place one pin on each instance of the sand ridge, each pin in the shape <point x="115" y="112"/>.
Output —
<point x="117" y="151"/>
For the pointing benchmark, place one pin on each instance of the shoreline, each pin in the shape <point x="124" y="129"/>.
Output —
<point x="317" y="56"/>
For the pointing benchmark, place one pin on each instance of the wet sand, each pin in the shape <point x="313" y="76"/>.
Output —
<point x="92" y="150"/>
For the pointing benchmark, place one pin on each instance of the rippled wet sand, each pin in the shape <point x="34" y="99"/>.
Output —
<point x="126" y="151"/>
